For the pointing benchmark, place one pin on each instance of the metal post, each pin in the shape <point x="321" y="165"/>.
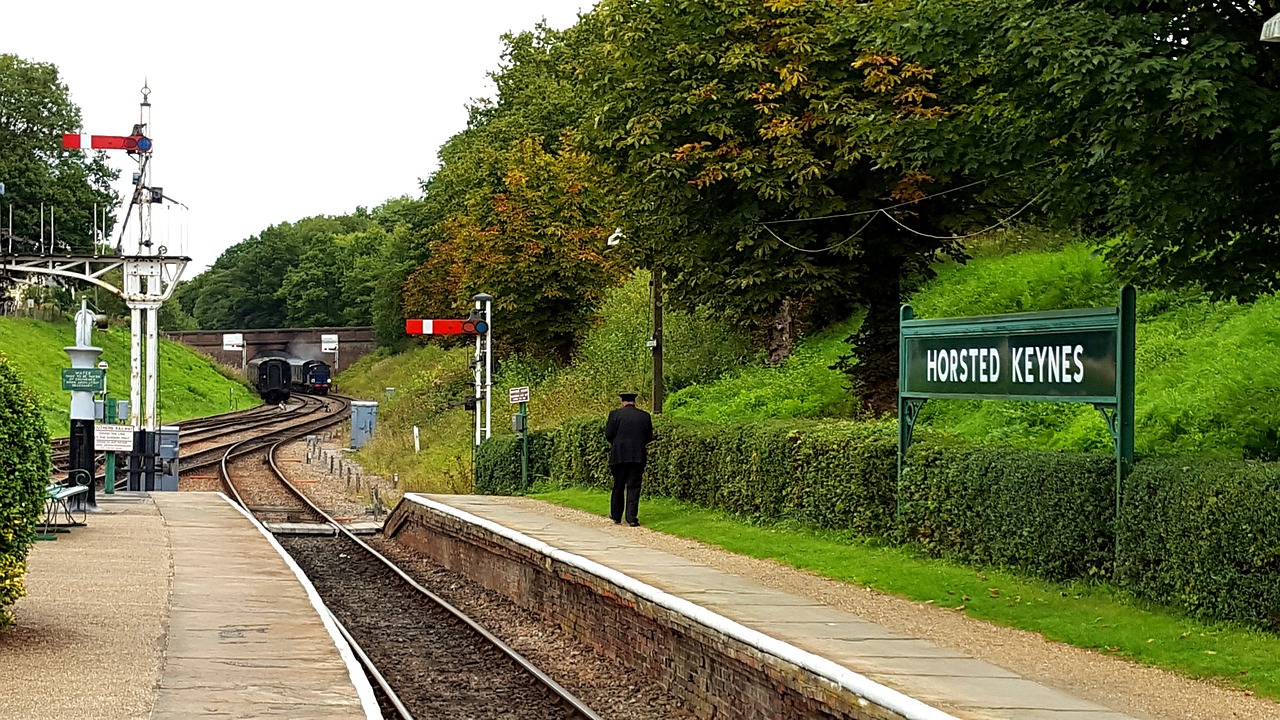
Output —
<point x="477" y="389"/>
<point x="135" y="366"/>
<point x="657" y="341"/>
<point x="153" y="359"/>
<point x="109" y="417"/>
<point x="524" y="446"/>
<point x="488" y="366"/>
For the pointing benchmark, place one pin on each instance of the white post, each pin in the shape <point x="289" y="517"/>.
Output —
<point x="135" y="366"/>
<point x="488" y="368"/>
<point x="417" y="445"/>
<point x="153" y="360"/>
<point x="477" y="389"/>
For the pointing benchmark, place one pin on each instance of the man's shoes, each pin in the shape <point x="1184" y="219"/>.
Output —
<point x="616" y="521"/>
<point x="633" y="523"/>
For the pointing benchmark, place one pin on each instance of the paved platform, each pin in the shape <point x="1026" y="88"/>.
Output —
<point x="948" y="680"/>
<point x="172" y="605"/>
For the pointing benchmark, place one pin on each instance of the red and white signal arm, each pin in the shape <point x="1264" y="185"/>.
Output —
<point x="132" y="143"/>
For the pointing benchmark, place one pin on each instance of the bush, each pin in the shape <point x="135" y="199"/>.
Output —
<point x="1046" y="513"/>
<point x="24" y="472"/>
<point x="1205" y="536"/>
<point x="498" y="470"/>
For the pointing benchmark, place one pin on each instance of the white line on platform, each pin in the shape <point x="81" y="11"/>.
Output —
<point x="363" y="689"/>
<point x="886" y="697"/>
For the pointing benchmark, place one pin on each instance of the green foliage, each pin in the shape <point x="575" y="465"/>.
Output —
<point x="802" y="386"/>
<point x="498" y="463"/>
<point x="191" y="385"/>
<point x="1206" y="536"/>
<point x="1049" y="514"/>
<point x="24" y="471"/>
<point x="35" y="109"/>
<point x="1155" y="120"/>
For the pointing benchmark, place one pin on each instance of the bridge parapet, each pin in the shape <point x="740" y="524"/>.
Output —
<point x="353" y="343"/>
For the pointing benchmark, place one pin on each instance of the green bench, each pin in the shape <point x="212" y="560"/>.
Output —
<point x="57" y="506"/>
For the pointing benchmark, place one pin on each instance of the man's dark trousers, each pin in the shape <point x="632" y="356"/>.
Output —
<point x="626" y="482"/>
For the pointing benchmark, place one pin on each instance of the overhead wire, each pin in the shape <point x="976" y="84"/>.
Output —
<point x="819" y="250"/>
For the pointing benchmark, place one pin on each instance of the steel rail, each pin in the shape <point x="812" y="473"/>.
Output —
<point x="564" y="694"/>
<point x="370" y="668"/>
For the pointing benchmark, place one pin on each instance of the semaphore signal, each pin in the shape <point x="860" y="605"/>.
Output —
<point x="131" y="143"/>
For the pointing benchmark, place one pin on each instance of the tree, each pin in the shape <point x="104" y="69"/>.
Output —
<point x="1156" y="122"/>
<point x="35" y="110"/>
<point x="723" y="116"/>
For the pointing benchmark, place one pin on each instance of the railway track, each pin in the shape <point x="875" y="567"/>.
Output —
<point x="428" y="658"/>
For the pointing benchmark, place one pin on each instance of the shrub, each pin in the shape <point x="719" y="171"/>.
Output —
<point x="1204" y="535"/>
<point x="498" y="470"/>
<point x="24" y="472"/>
<point x="1046" y="513"/>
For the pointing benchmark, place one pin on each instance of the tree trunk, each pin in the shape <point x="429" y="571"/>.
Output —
<point x="875" y="347"/>
<point x="782" y="338"/>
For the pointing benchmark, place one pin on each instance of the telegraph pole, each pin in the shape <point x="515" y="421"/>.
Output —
<point x="656" y="342"/>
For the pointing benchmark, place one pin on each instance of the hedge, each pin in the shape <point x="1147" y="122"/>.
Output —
<point x="24" y="472"/>
<point x="1201" y="535"/>
<point x="1205" y="536"/>
<point x="1047" y="513"/>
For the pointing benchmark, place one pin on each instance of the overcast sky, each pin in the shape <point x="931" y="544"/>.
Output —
<point x="264" y="112"/>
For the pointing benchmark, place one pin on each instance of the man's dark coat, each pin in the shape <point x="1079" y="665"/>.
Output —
<point x="628" y="430"/>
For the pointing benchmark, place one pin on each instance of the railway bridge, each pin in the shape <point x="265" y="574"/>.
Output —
<point x="353" y="344"/>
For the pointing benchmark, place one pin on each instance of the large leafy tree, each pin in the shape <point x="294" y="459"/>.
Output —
<point x="520" y="212"/>
<point x="1157" y="122"/>
<point x="722" y="117"/>
<point x="35" y="109"/>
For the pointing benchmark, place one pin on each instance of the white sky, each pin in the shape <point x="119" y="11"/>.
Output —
<point x="271" y="111"/>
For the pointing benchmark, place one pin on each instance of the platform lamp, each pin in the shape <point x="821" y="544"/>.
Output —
<point x="1271" y="30"/>
<point x="654" y="342"/>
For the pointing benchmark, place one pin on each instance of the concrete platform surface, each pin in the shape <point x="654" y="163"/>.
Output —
<point x="946" y="679"/>
<point x="172" y="605"/>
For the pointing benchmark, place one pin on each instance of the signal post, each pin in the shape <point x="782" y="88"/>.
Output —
<point x="478" y="323"/>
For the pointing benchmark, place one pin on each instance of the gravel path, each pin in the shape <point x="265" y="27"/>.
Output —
<point x="1122" y="685"/>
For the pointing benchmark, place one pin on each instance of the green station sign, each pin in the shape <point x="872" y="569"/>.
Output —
<point x="1082" y="356"/>
<point x="85" y="379"/>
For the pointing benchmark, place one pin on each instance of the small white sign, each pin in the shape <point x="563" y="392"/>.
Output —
<point x="1271" y="30"/>
<point x="518" y="395"/>
<point x="329" y="343"/>
<point x="233" y="341"/>
<point x="112" y="438"/>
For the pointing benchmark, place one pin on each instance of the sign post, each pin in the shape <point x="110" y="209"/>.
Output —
<point x="232" y="342"/>
<point x="329" y="344"/>
<point x="520" y="421"/>
<point x="1084" y="356"/>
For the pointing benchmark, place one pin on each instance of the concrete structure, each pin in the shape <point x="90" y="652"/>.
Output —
<point x="353" y="343"/>
<point x="176" y="605"/>
<point x="646" y="606"/>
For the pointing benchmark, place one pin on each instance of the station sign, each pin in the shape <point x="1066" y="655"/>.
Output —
<point x="329" y="343"/>
<point x="518" y="395"/>
<point x="233" y="341"/>
<point x="1003" y="362"/>
<point x="83" y="379"/>
<point x="113" y="438"/>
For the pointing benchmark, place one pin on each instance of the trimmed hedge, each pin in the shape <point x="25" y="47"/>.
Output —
<point x="498" y="469"/>
<point x="1205" y="536"/>
<point x="1202" y="535"/>
<point x="1047" y="513"/>
<point x="24" y="472"/>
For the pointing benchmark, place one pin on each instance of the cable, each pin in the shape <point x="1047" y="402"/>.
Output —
<point x="855" y="234"/>
<point x="873" y="212"/>
<point x="999" y="223"/>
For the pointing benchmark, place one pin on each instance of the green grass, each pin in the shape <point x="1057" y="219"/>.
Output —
<point x="190" y="384"/>
<point x="1087" y="616"/>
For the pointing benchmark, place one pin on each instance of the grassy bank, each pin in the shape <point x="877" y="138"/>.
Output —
<point x="190" y="384"/>
<point x="1084" y="615"/>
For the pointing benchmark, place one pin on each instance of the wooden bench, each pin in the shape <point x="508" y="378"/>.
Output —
<point x="57" y="506"/>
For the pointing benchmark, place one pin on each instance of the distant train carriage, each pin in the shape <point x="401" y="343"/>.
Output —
<point x="309" y="376"/>
<point x="270" y="377"/>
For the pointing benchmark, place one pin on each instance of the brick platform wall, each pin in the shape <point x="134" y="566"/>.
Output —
<point x="717" y="676"/>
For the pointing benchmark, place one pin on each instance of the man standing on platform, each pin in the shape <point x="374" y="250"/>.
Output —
<point x="629" y="432"/>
